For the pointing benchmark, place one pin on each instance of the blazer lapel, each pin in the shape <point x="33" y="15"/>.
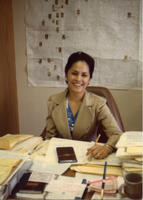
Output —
<point x="60" y="118"/>
<point x="84" y="119"/>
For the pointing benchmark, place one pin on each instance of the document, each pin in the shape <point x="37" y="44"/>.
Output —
<point x="10" y="140"/>
<point x="135" y="150"/>
<point x="44" y="166"/>
<point x="7" y="165"/>
<point x="28" y="145"/>
<point x="42" y="177"/>
<point x="66" y="188"/>
<point x="98" y="169"/>
<point x="88" y="177"/>
<point x="130" y="138"/>
<point x="80" y="148"/>
<point x="29" y="196"/>
<point x="130" y="150"/>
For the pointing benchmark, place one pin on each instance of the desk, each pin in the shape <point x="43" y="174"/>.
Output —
<point x="52" y="154"/>
<point x="88" y="195"/>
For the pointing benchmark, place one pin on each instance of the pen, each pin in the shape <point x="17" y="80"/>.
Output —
<point x="38" y="147"/>
<point x="96" y="141"/>
<point x="41" y="146"/>
<point x="103" y="181"/>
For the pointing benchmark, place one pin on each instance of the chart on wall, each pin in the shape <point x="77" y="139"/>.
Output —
<point x="108" y="30"/>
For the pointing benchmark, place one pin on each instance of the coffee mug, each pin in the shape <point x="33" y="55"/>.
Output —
<point x="133" y="185"/>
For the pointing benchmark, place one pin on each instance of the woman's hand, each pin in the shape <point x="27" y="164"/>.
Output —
<point x="99" y="152"/>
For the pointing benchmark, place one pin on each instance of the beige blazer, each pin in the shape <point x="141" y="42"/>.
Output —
<point x="92" y="109"/>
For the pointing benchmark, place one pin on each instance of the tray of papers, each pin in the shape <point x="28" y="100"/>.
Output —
<point x="8" y="185"/>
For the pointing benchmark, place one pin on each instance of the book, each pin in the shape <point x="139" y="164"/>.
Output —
<point x="31" y="187"/>
<point x="66" y="154"/>
<point x="23" y="196"/>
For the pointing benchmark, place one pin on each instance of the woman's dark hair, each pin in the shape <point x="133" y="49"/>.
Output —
<point x="80" y="56"/>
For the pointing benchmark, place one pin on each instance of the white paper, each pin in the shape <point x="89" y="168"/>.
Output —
<point x="41" y="177"/>
<point x="43" y="165"/>
<point x="88" y="177"/>
<point x="130" y="138"/>
<point x="27" y="146"/>
<point x="80" y="148"/>
<point x="66" y="188"/>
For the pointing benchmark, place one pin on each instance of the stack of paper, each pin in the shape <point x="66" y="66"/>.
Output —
<point x="7" y="165"/>
<point x="10" y="140"/>
<point x="19" y="144"/>
<point x="130" y="150"/>
<point x="97" y="169"/>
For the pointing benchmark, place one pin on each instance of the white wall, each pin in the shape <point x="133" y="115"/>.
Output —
<point x="32" y="101"/>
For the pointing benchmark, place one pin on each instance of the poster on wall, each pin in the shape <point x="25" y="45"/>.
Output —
<point x="107" y="30"/>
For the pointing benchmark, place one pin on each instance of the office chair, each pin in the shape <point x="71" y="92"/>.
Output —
<point x="103" y="92"/>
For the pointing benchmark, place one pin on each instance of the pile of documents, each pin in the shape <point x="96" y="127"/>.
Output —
<point x="11" y="169"/>
<point x="15" y="150"/>
<point x="130" y="151"/>
<point x="10" y="140"/>
<point x="19" y="143"/>
<point x="97" y="169"/>
<point x="7" y="166"/>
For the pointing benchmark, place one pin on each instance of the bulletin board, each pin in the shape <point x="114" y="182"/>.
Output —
<point x="108" y="30"/>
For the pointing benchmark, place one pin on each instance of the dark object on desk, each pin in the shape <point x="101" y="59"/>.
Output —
<point x="25" y="186"/>
<point x="103" y="92"/>
<point x="133" y="185"/>
<point x="66" y="155"/>
<point x="32" y="187"/>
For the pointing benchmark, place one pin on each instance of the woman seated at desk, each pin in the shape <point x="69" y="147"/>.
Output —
<point x="74" y="113"/>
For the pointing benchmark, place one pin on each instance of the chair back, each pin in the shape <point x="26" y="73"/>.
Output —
<point x="104" y="92"/>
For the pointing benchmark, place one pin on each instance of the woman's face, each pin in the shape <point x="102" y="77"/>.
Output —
<point x="78" y="77"/>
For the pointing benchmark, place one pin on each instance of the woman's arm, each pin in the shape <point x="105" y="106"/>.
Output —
<point x="109" y="125"/>
<point x="111" y="130"/>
